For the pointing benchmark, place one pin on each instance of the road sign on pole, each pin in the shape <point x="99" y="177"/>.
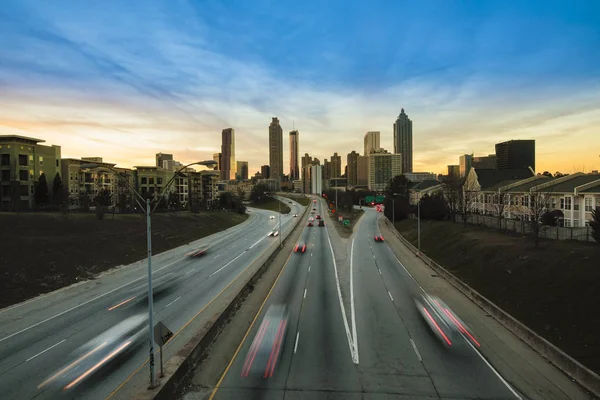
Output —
<point x="369" y="199"/>
<point x="162" y="334"/>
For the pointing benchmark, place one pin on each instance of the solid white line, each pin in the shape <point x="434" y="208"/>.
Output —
<point x="352" y="310"/>
<point x="495" y="372"/>
<point x="353" y="352"/>
<point x="296" y="344"/>
<point x="42" y="352"/>
<point x="402" y="265"/>
<point x="416" y="350"/>
<point x="260" y="240"/>
<point x="190" y="271"/>
<point x="391" y="296"/>
<point x="172" y="302"/>
<point x="225" y="266"/>
<point x="304" y="293"/>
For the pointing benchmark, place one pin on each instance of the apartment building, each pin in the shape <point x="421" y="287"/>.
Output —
<point x="203" y="189"/>
<point x="383" y="166"/>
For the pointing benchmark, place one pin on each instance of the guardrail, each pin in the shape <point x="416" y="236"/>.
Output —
<point x="573" y="368"/>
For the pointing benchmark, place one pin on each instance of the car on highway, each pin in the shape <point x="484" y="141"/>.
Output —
<point x="197" y="252"/>
<point x="267" y="346"/>
<point x="295" y="215"/>
<point x="321" y="222"/>
<point x="300" y="247"/>
<point x="318" y="216"/>
<point x="274" y="233"/>
<point x="314" y="200"/>
<point x="379" y="238"/>
<point x="272" y="217"/>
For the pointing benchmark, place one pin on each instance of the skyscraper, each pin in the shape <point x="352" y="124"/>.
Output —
<point x="335" y="166"/>
<point x="276" y="150"/>
<point x="326" y="172"/>
<point x="352" y="166"/>
<point x="403" y="140"/>
<point x="160" y="157"/>
<point x="383" y="166"/>
<point x="241" y="171"/>
<point x="465" y="162"/>
<point x="306" y="160"/>
<point x="217" y="159"/>
<point x="294" y="167"/>
<point x="265" y="172"/>
<point x="372" y="142"/>
<point x="516" y="154"/>
<point x="228" y="154"/>
<point x="362" y="171"/>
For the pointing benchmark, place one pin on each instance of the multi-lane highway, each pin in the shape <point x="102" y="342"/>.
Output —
<point x="37" y="337"/>
<point x="376" y="345"/>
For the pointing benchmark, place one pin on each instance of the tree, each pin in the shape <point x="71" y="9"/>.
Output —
<point x="257" y="194"/>
<point x="595" y="224"/>
<point x="550" y="218"/>
<point x="466" y="194"/>
<point x="450" y="191"/>
<point x="174" y="202"/>
<point x="398" y="186"/>
<point x="59" y="192"/>
<point x="500" y="206"/>
<point x="41" y="194"/>
<point x="103" y="199"/>
<point x="434" y="206"/>
<point x="546" y="173"/>
<point x="538" y="205"/>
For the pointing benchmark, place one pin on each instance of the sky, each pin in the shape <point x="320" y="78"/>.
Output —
<point x="123" y="81"/>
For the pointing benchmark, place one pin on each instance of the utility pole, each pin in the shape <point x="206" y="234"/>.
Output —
<point x="150" y="300"/>
<point x="419" y="223"/>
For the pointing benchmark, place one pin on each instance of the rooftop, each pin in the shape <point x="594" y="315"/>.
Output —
<point x="19" y="138"/>
<point x="569" y="185"/>
<point x="426" y="184"/>
<point x="525" y="186"/>
<point x="490" y="177"/>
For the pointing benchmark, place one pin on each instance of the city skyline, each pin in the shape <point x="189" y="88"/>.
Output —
<point x="466" y="81"/>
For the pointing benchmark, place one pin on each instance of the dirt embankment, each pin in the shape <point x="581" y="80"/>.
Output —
<point x="44" y="252"/>
<point x="553" y="289"/>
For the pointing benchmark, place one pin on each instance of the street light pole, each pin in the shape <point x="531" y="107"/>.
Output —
<point x="419" y="223"/>
<point x="279" y="206"/>
<point x="150" y="296"/>
<point x="393" y="212"/>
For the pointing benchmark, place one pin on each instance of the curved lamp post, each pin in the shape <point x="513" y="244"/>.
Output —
<point x="140" y="200"/>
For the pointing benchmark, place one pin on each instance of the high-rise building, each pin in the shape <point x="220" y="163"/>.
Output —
<point x="352" y="168"/>
<point x="485" y="162"/>
<point x="217" y="159"/>
<point x="326" y="172"/>
<point x="420" y="176"/>
<point x="265" y="172"/>
<point x="276" y="149"/>
<point x="306" y="160"/>
<point x="383" y="166"/>
<point x="294" y="167"/>
<point x="465" y="162"/>
<point x="162" y="157"/>
<point x="403" y="140"/>
<point x="316" y="180"/>
<point x="372" y="142"/>
<point x="228" y="164"/>
<point x="453" y="171"/>
<point x="241" y="171"/>
<point x="362" y="171"/>
<point x="335" y="166"/>
<point x="516" y="154"/>
<point x="316" y="161"/>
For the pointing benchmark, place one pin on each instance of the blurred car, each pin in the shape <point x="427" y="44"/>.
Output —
<point x="314" y="200"/>
<point x="300" y="247"/>
<point x="379" y="238"/>
<point x="321" y="222"/>
<point x="272" y="217"/>
<point x="198" y="252"/>
<point x="295" y="215"/>
<point x="98" y="355"/>
<point x="314" y="208"/>
<point x="442" y="321"/>
<point x="310" y="223"/>
<point x="318" y="216"/>
<point x="267" y="346"/>
<point x="274" y="233"/>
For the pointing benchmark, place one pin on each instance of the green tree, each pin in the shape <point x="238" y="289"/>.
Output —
<point x="595" y="224"/>
<point x="398" y="186"/>
<point x="41" y="194"/>
<point x="550" y="218"/>
<point x="434" y="206"/>
<point x="60" y="195"/>
<point x="174" y="202"/>
<point x="257" y="194"/>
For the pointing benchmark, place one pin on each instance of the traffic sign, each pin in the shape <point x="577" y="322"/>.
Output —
<point x="162" y="334"/>
<point x="340" y="218"/>
<point x="346" y="222"/>
<point x="369" y="199"/>
<point x="379" y="199"/>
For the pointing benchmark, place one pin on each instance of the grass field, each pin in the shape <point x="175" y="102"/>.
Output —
<point x="300" y="198"/>
<point x="45" y="252"/>
<point x="272" y="205"/>
<point x="346" y="231"/>
<point x="552" y="289"/>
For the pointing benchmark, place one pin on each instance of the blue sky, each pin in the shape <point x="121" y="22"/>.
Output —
<point x="122" y="81"/>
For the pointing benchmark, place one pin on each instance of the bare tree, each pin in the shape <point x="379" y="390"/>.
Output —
<point x="500" y="206"/>
<point x="466" y="197"/>
<point x="539" y="203"/>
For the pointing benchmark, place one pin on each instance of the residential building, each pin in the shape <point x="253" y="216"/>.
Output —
<point x="228" y="164"/>
<point x="276" y="149"/>
<point x="316" y="179"/>
<point x="485" y="162"/>
<point x="306" y="188"/>
<point x="383" y="166"/>
<point x="403" y="141"/>
<point x="372" y="142"/>
<point x="352" y="168"/>
<point x="306" y="160"/>
<point x="453" y="172"/>
<point x="171" y="165"/>
<point x="241" y="171"/>
<point x="203" y="190"/>
<point x="161" y="158"/>
<point x="362" y="171"/>
<point x="516" y="154"/>
<point x="265" y="172"/>
<point x="465" y="164"/>
<point x="420" y="176"/>
<point x="335" y="166"/>
<point x="422" y="188"/>
<point x="150" y="180"/>
<point x="316" y="161"/>
<point x="217" y="159"/>
<point x="294" y="167"/>
<point x="22" y="161"/>
<point x="297" y="185"/>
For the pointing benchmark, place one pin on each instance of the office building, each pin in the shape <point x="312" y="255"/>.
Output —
<point x="217" y="159"/>
<point x="162" y="157"/>
<point x="335" y="166"/>
<point x="420" y="176"/>
<point x="383" y="166"/>
<point x="315" y="177"/>
<point x="171" y="165"/>
<point x="352" y="168"/>
<point x="362" y="171"/>
<point x="453" y="172"/>
<point x="485" y="162"/>
<point x="403" y="140"/>
<point x="241" y="171"/>
<point x="265" y="172"/>
<point x="372" y="142"/>
<point x="516" y="154"/>
<point x="22" y="161"/>
<point x="306" y="160"/>
<point x="276" y="149"/>
<point x="228" y="164"/>
<point x="465" y="163"/>
<point x="294" y="167"/>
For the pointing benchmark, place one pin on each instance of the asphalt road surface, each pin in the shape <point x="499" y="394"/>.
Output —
<point x="36" y="337"/>
<point x="380" y="349"/>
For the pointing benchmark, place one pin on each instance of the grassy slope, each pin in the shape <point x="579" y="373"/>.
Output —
<point x="272" y="205"/>
<point x="45" y="252"/>
<point x="552" y="289"/>
<point x="301" y="199"/>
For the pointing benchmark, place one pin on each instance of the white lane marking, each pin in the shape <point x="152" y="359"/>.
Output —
<point x="309" y="268"/>
<point x="402" y="265"/>
<point x="373" y="256"/>
<point x="233" y="247"/>
<point x="495" y="372"/>
<point x="225" y="266"/>
<point x="353" y="352"/>
<point x="296" y="343"/>
<point x="304" y="293"/>
<point x="416" y="350"/>
<point x="257" y="242"/>
<point x="172" y="302"/>
<point x="190" y="271"/>
<point x="352" y="310"/>
<point x="216" y="256"/>
<point x="42" y="352"/>
<point x="391" y="296"/>
<point x="379" y="270"/>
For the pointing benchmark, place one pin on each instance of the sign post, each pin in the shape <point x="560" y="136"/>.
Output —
<point x="162" y="334"/>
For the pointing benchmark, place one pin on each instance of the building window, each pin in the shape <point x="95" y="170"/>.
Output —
<point x="575" y="223"/>
<point x="568" y="203"/>
<point x="57" y="162"/>
<point x="567" y="223"/>
<point x="151" y="181"/>
<point x="23" y="175"/>
<point x="5" y="160"/>
<point x="588" y="204"/>
<point x="24" y="189"/>
<point x="41" y="159"/>
<point x="5" y="176"/>
<point x="23" y="160"/>
<point x="31" y="174"/>
<point x="159" y="181"/>
<point x="144" y="180"/>
<point x="576" y="207"/>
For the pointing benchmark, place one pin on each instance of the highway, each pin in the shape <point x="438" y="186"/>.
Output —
<point x="37" y="336"/>
<point x="379" y="347"/>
